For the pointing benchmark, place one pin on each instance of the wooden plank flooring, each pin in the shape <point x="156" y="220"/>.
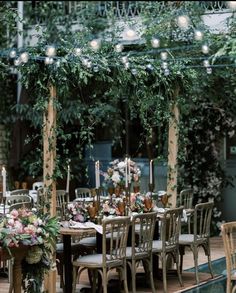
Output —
<point x="173" y="284"/>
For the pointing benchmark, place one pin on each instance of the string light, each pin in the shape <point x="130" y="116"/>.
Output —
<point x="50" y="51"/>
<point x="48" y="60"/>
<point x="206" y="63"/>
<point x="77" y="51"/>
<point x="12" y="53"/>
<point x="183" y="21"/>
<point x="198" y="35"/>
<point x="95" y="44"/>
<point x="124" y="59"/>
<point x="130" y="33"/>
<point x="17" y="62"/>
<point x="155" y="43"/>
<point x="205" y="49"/>
<point x="209" y="70"/>
<point x="119" y="48"/>
<point x="24" y="57"/>
<point x="164" y="55"/>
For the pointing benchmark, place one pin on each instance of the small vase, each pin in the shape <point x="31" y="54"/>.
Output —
<point x="148" y="203"/>
<point x="121" y="208"/>
<point x="92" y="211"/>
<point x="110" y="190"/>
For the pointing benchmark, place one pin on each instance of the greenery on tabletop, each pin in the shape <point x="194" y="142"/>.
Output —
<point x="37" y="231"/>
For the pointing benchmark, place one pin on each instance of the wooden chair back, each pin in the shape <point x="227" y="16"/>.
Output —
<point x="82" y="192"/>
<point x="229" y="240"/>
<point x="186" y="198"/>
<point x="62" y="199"/>
<point x="19" y="192"/>
<point x="19" y="205"/>
<point x="13" y="199"/>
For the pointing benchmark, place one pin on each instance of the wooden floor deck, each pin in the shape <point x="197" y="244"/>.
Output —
<point x="217" y="251"/>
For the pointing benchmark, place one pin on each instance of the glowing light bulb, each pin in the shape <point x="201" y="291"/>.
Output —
<point x="164" y="55"/>
<point x="95" y="44"/>
<point x="155" y="43"/>
<point x="127" y="65"/>
<point x="198" y="35"/>
<point x="209" y="70"/>
<point x="77" y="51"/>
<point x="119" y="48"/>
<point x="130" y="33"/>
<point x="24" y="57"/>
<point x="183" y="21"/>
<point x="48" y="60"/>
<point x="205" y="49"/>
<point x="51" y="51"/>
<point x="12" y="53"/>
<point x="206" y="63"/>
<point x="17" y="62"/>
<point x="134" y="71"/>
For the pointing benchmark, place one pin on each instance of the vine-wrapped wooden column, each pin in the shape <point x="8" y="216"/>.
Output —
<point x="173" y="153"/>
<point x="49" y="158"/>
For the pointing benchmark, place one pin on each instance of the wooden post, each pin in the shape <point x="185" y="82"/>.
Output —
<point x="49" y="157"/>
<point x="173" y="153"/>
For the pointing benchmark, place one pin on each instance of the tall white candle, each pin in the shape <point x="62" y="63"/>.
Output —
<point x="68" y="179"/>
<point x="150" y="173"/>
<point x="4" y="177"/>
<point x="97" y="175"/>
<point x="126" y="172"/>
<point x="129" y="174"/>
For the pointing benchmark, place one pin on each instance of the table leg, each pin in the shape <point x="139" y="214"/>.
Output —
<point x="68" y="277"/>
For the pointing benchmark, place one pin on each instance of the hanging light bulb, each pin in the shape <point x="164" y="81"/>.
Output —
<point x="164" y="55"/>
<point x="130" y="33"/>
<point x="183" y="21"/>
<point x="89" y="64"/>
<point x="155" y="43"/>
<point x="166" y="72"/>
<point x="95" y="44"/>
<point x="164" y="65"/>
<point x="24" y="57"/>
<point x="198" y="35"/>
<point x="50" y="51"/>
<point x="12" y="53"/>
<point x="209" y="70"/>
<point x="119" y="48"/>
<point x="205" y="49"/>
<point x="48" y="60"/>
<point x="17" y="62"/>
<point x="77" y="51"/>
<point x="206" y="63"/>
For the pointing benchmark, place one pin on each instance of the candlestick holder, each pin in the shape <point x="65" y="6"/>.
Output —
<point x="127" y="197"/>
<point x="98" y="194"/>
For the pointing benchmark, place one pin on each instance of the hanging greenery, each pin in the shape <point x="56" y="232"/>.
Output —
<point x="96" y="83"/>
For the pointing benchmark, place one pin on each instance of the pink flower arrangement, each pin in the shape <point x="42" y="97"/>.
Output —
<point x="77" y="211"/>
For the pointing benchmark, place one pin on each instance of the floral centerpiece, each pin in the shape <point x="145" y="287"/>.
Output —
<point x="141" y="203"/>
<point x="116" y="173"/>
<point x="77" y="211"/>
<point x="39" y="232"/>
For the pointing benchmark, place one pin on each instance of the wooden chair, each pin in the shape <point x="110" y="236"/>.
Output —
<point x="229" y="240"/>
<point x="14" y="199"/>
<point x="62" y="199"/>
<point x="82" y="193"/>
<point x="19" y="205"/>
<point x="113" y="254"/>
<point x="19" y="192"/>
<point x="186" y="200"/>
<point x="200" y="237"/>
<point x="141" y="250"/>
<point x="169" y="241"/>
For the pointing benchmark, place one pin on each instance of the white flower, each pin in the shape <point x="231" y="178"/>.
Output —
<point x="116" y="177"/>
<point x="121" y="165"/>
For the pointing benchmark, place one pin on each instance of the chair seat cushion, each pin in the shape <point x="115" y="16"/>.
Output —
<point x="93" y="260"/>
<point x="186" y="239"/>
<point x="74" y="247"/>
<point x="138" y="255"/>
<point x="88" y="241"/>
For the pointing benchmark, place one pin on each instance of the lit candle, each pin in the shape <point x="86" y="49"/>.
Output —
<point x="126" y="172"/>
<point x="150" y="172"/>
<point x="68" y="179"/>
<point x="98" y="174"/>
<point x="4" y="175"/>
